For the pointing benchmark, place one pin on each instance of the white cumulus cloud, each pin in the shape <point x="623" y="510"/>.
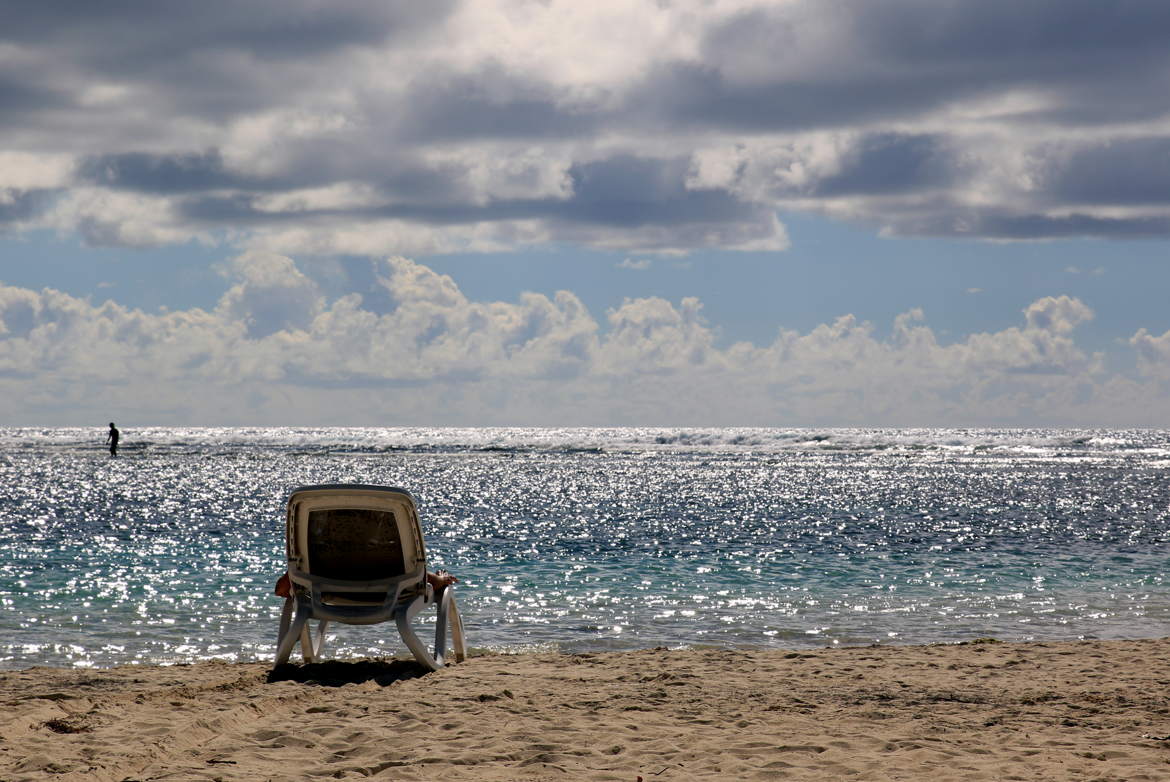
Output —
<point x="413" y="348"/>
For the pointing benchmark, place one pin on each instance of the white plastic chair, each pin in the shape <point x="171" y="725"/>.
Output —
<point x="356" y="556"/>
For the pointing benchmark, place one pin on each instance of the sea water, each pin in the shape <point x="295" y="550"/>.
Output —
<point x="594" y="539"/>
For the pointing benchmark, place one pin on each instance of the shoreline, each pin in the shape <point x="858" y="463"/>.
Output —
<point x="554" y="649"/>
<point x="969" y="710"/>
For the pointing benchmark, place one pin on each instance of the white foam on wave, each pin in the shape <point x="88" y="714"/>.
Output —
<point x="1020" y="442"/>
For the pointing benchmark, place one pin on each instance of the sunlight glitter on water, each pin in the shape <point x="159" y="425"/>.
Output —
<point x="592" y="539"/>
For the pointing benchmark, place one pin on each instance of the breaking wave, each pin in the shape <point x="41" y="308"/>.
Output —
<point x="1019" y="443"/>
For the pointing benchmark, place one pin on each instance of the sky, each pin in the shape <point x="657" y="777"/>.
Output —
<point x="553" y="213"/>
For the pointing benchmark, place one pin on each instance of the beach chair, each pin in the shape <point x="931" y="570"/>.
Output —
<point x="356" y="556"/>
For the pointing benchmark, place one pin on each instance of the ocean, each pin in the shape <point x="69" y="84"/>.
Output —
<point x="593" y="539"/>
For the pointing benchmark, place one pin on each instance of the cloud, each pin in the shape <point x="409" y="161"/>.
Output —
<point x="652" y="336"/>
<point x="1153" y="355"/>
<point x="272" y="295"/>
<point x="630" y="125"/>
<point x="634" y="264"/>
<point x="18" y="208"/>
<point x="1058" y="315"/>
<point x="398" y="343"/>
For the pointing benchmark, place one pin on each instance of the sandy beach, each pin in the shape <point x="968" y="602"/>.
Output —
<point x="1092" y="710"/>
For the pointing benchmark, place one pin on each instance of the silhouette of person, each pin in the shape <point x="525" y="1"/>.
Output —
<point x="112" y="439"/>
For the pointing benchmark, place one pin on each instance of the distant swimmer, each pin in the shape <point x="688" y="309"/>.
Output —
<point x="112" y="439"/>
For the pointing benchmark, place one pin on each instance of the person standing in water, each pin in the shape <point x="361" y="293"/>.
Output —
<point x="112" y="439"/>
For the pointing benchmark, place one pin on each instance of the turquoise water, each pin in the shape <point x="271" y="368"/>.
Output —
<point x="587" y="539"/>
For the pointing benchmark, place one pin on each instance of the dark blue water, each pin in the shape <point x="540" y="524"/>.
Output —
<point x="595" y="539"/>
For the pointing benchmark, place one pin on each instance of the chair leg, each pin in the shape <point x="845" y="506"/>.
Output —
<point x="306" y="642"/>
<point x="295" y="632"/>
<point x="449" y="615"/>
<point x="445" y="604"/>
<point x="285" y="620"/>
<point x="457" y="640"/>
<point x="320" y="650"/>
<point x="411" y="640"/>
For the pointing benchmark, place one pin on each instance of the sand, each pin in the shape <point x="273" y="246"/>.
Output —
<point x="1092" y="710"/>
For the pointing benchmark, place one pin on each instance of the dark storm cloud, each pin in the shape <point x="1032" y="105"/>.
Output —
<point x="952" y="30"/>
<point x="211" y="59"/>
<point x="620" y="192"/>
<point x="17" y="96"/>
<point x="895" y="59"/>
<point x="701" y="96"/>
<point x="1044" y="226"/>
<point x="121" y="35"/>
<point x="634" y="191"/>
<point x="310" y="165"/>
<point x="891" y="163"/>
<point x="1089" y="64"/>
<point x="1128" y="172"/>
<point x="1071" y="178"/>
<point x="989" y="224"/>
<point x="23" y="205"/>
<point x="180" y="173"/>
<point x="492" y="103"/>
<point x="926" y="107"/>
<point x="227" y="210"/>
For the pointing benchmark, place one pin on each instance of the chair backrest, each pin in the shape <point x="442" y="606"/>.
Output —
<point x="353" y="533"/>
